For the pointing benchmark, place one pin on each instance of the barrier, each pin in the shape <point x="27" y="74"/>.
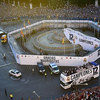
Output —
<point x="25" y="59"/>
<point x="85" y="41"/>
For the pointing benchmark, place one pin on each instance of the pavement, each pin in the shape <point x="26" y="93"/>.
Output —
<point x="46" y="87"/>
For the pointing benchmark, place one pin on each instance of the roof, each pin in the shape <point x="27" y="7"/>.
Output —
<point x="3" y="35"/>
<point x="40" y="64"/>
<point x="53" y="65"/>
<point x="15" y="70"/>
<point x="94" y="63"/>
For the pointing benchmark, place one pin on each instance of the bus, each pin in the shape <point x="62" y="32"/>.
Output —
<point x="81" y="75"/>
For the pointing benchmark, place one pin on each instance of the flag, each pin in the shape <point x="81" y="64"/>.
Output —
<point x="29" y="22"/>
<point x="22" y="33"/>
<point x="24" y="25"/>
<point x="63" y="41"/>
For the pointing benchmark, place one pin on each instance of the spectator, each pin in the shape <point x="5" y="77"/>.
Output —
<point x="11" y="96"/>
<point x="5" y="92"/>
<point x="71" y="11"/>
<point x="84" y="94"/>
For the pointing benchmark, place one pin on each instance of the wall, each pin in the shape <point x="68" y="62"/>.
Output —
<point x="75" y="37"/>
<point x="24" y="59"/>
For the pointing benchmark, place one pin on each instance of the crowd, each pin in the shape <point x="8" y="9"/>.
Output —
<point x="77" y="69"/>
<point x="84" y="67"/>
<point x="68" y="11"/>
<point x="84" y="94"/>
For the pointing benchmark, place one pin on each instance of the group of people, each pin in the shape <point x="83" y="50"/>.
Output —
<point x="84" y="94"/>
<point x="84" y="67"/>
<point x="11" y="97"/>
<point x="68" y="11"/>
<point x="77" y="69"/>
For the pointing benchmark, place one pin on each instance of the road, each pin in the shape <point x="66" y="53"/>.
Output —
<point x="46" y="87"/>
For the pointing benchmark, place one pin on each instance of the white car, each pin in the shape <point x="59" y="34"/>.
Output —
<point x="15" y="73"/>
<point x="54" y="68"/>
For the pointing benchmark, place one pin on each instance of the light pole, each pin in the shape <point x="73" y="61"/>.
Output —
<point x="36" y="95"/>
<point x="98" y="30"/>
<point x="96" y="3"/>
<point x="74" y="43"/>
<point x="94" y="25"/>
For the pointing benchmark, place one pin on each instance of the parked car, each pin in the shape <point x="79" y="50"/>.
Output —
<point x="2" y="32"/>
<point x="15" y="73"/>
<point x="41" y="67"/>
<point x="54" y="68"/>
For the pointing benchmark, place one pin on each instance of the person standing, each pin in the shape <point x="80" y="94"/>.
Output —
<point x="11" y="96"/>
<point x="45" y="74"/>
<point x="5" y="92"/>
<point x="29" y="99"/>
<point x="51" y="73"/>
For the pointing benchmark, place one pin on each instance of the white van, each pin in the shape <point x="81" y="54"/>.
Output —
<point x="54" y="68"/>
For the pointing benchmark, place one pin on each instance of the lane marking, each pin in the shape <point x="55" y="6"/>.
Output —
<point x="7" y="64"/>
<point x="14" y="78"/>
<point x="26" y="81"/>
